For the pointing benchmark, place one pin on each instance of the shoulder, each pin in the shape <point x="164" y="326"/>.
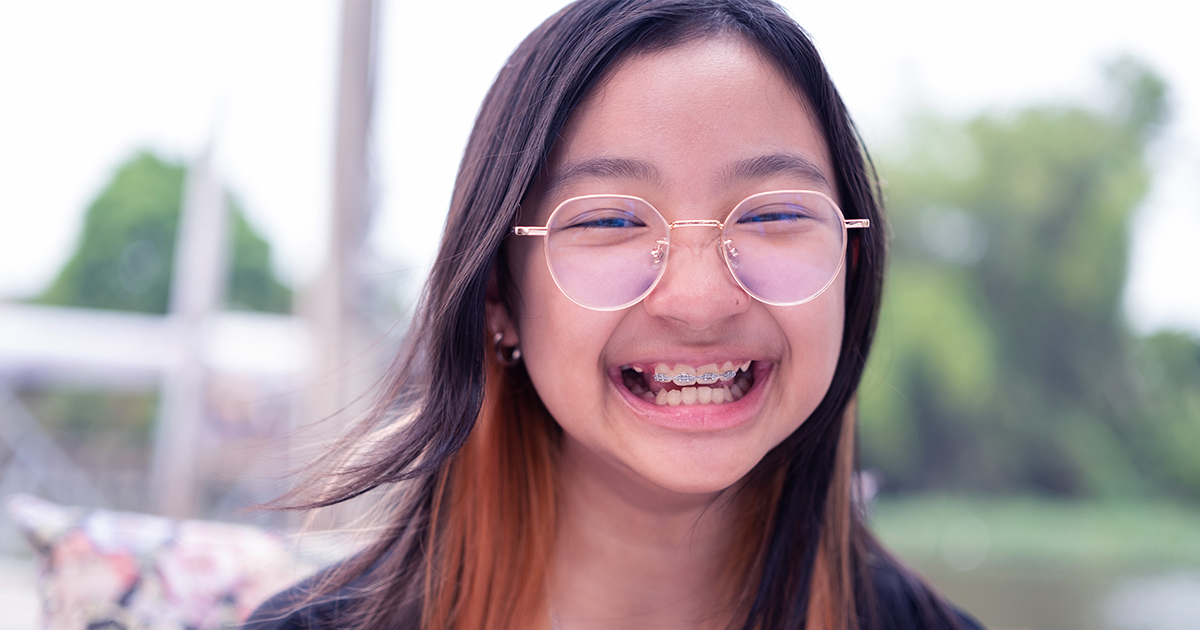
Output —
<point x="903" y="601"/>
<point x="297" y="609"/>
<point x="339" y="596"/>
<point x="322" y="601"/>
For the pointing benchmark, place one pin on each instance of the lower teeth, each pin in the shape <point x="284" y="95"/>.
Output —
<point x="699" y="395"/>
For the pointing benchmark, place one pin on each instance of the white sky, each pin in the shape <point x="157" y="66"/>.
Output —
<point x="85" y="84"/>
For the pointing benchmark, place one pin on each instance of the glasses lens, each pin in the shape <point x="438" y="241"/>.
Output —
<point x="606" y="252"/>
<point x="785" y="247"/>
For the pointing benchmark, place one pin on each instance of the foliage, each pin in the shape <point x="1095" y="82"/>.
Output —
<point x="1003" y="361"/>
<point x="125" y="254"/>
<point x="1035" y="532"/>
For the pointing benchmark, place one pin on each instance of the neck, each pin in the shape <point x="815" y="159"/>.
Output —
<point x="629" y="554"/>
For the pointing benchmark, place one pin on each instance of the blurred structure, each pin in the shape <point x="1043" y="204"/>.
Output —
<point x="89" y="362"/>
<point x="197" y="290"/>
<point x="249" y="361"/>
<point x="338" y="303"/>
<point x="232" y="386"/>
<point x="349" y="315"/>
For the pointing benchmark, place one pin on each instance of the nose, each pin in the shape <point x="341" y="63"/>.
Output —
<point x="697" y="289"/>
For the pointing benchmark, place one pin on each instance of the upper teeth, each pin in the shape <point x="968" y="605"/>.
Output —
<point x="684" y="375"/>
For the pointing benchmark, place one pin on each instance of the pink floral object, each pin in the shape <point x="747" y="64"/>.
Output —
<point x="114" y="570"/>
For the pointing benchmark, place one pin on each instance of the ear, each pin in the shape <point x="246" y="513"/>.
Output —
<point x="499" y="320"/>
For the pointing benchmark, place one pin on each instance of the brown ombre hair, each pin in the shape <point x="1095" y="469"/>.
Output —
<point x="467" y="544"/>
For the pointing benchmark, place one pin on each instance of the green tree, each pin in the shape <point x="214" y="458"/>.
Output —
<point x="1003" y="361"/>
<point x="125" y="254"/>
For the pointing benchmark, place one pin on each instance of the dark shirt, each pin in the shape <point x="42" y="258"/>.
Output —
<point x="901" y="604"/>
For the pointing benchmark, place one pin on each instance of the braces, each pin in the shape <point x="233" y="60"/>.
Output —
<point x="683" y="380"/>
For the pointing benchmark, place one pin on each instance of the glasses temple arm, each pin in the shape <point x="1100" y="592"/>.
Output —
<point x="858" y="223"/>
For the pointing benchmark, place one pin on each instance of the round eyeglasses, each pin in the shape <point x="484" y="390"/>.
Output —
<point x="608" y="252"/>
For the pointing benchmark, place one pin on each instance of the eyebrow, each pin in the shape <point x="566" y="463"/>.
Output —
<point x="765" y="166"/>
<point x="601" y="168"/>
<point x="760" y="167"/>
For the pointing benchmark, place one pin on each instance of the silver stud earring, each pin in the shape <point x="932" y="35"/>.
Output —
<point x="508" y="356"/>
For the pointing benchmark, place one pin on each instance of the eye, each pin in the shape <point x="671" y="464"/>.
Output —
<point x="604" y="219"/>
<point x="775" y="213"/>
<point x="612" y="222"/>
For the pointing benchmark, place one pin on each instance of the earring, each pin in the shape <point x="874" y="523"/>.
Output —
<point x="507" y="357"/>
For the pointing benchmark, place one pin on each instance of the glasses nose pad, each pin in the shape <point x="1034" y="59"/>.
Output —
<point x="731" y="253"/>
<point x="659" y="253"/>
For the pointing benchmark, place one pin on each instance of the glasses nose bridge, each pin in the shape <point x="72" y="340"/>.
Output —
<point x="697" y="245"/>
<point x="695" y="223"/>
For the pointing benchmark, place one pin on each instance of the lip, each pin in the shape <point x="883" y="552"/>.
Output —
<point x="699" y="418"/>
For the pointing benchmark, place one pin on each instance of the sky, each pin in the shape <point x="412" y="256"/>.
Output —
<point x="88" y="84"/>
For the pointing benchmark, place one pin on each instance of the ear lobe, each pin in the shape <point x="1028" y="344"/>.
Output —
<point x="498" y="318"/>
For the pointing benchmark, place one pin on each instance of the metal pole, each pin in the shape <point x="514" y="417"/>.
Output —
<point x="197" y="290"/>
<point x="336" y="303"/>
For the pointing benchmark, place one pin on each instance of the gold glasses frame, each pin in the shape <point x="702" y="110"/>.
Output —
<point x="664" y="243"/>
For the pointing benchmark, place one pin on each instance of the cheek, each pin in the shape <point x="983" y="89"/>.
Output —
<point x="830" y="313"/>
<point x="814" y="332"/>
<point x="561" y="343"/>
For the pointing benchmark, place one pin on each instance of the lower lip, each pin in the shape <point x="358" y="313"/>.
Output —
<point x="699" y="418"/>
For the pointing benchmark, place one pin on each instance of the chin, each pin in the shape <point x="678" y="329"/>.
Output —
<point x="696" y="469"/>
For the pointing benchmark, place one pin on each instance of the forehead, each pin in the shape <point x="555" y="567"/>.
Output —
<point x="708" y="117"/>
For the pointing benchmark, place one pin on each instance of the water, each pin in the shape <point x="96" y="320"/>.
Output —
<point x="1072" y="599"/>
<point x="1046" y="564"/>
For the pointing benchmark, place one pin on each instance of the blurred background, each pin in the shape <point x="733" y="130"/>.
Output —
<point x="215" y="218"/>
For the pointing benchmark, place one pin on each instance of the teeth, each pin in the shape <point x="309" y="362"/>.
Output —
<point x="707" y="374"/>
<point x="698" y="395"/>
<point x="685" y="375"/>
<point x="637" y="369"/>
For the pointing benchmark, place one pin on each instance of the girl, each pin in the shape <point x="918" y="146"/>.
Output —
<point x="628" y="401"/>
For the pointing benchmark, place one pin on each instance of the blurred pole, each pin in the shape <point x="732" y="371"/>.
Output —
<point x="336" y="303"/>
<point x="197" y="289"/>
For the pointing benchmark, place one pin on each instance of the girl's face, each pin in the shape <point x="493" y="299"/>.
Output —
<point x="692" y="129"/>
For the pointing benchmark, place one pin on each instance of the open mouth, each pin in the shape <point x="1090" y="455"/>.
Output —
<point x="711" y="384"/>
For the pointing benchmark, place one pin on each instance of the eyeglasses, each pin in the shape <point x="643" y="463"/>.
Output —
<point x="608" y="252"/>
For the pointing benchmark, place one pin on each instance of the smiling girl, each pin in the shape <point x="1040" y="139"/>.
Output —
<point x="629" y="397"/>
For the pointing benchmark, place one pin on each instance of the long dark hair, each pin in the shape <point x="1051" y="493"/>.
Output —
<point x="810" y="544"/>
